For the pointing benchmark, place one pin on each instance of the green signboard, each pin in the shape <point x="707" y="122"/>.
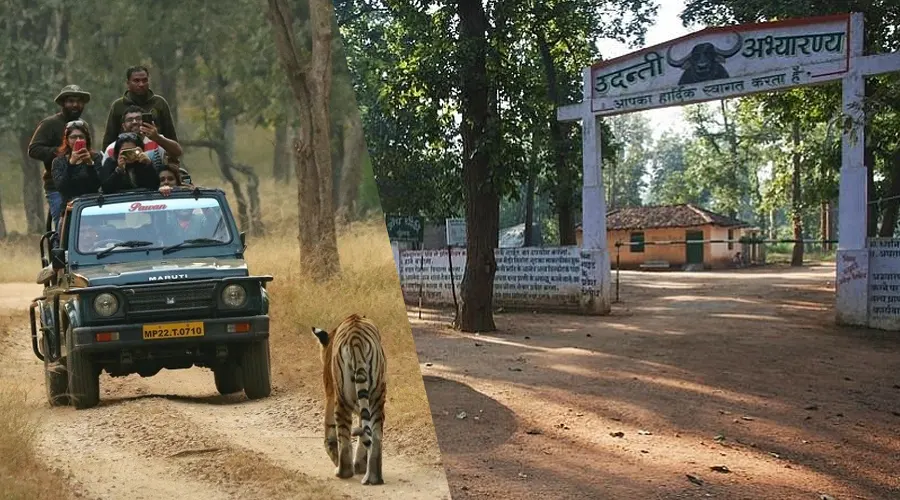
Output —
<point x="405" y="227"/>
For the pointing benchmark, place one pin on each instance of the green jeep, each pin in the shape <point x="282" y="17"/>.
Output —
<point x="136" y="282"/>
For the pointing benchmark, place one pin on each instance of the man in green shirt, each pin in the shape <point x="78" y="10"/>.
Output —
<point x="48" y="137"/>
<point x="139" y="94"/>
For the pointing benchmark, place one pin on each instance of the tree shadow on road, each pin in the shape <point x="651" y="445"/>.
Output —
<point x="821" y="397"/>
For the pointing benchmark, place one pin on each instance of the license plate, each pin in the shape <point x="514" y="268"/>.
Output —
<point x="173" y="330"/>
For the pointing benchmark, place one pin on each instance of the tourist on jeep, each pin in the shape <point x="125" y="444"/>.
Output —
<point x="157" y="146"/>
<point x="49" y="134"/>
<point x="138" y="94"/>
<point x="170" y="178"/>
<point x="75" y="170"/>
<point x="129" y="167"/>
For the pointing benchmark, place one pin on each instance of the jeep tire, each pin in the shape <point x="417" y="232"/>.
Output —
<point x="256" y="370"/>
<point x="56" y="378"/>
<point x="84" y="379"/>
<point x="228" y="378"/>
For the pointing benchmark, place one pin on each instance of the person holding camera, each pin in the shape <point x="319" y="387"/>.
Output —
<point x="75" y="170"/>
<point x="130" y="167"/>
<point x="157" y="146"/>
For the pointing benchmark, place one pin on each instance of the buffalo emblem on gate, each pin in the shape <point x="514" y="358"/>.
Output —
<point x="704" y="62"/>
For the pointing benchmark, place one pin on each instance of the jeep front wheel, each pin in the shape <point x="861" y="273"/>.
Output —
<point x="256" y="370"/>
<point x="228" y="378"/>
<point x="56" y="379"/>
<point x="84" y="379"/>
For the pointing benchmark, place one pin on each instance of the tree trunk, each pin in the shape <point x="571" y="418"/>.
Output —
<point x="167" y="76"/>
<point x="3" y="232"/>
<point x="351" y="170"/>
<point x="481" y="197"/>
<point x="612" y="184"/>
<point x="32" y="187"/>
<point x="870" y="90"/>
<point x="529" y="193"/>
<point x="771" y="224"/>
<point x="562" y="194"/>
<point x="310" y="84"/>
<point x="281" y="157"/>
<point x="529" y="211"/>
<point x="823" y="224"/>
<point x="250" y="220"/>
<point x="796" y="201"/>
<point x="892" y="203"/>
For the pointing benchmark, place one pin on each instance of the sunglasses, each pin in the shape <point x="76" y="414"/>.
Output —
<point x="77" y="136"/>
<point x="76" y="123"/>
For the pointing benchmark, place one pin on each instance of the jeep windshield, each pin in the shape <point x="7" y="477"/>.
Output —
<point x="135" y="226"/>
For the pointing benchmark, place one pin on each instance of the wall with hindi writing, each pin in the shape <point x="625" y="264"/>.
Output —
<point x="540" y="278"/>
<point x="883" y="275"/>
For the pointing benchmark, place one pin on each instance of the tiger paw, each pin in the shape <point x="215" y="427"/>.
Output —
<point x="372" y="479"/>
<point x="343" y="473"/>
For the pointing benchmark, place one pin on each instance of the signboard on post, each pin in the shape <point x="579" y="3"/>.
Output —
<point x="405" y="228"/>
<point x="722" y="62"/>
<point x="456" y="232"/>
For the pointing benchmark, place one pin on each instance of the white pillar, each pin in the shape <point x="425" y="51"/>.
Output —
<point x="595" y="297"/>
<point x="852" y="260"/>
<point x="395" y="251"/>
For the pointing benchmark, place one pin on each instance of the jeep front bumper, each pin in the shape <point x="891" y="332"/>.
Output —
<point x="130" y="336"/>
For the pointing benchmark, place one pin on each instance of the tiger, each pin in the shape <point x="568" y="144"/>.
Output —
<point x="354" y="365"/>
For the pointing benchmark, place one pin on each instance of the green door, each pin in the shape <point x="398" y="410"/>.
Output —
<point x="694" y="250"/>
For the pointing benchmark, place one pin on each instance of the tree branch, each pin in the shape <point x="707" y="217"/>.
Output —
<point x="211" y="144"/>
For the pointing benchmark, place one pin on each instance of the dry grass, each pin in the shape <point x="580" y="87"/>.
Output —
<point x="22" y="476"/>
<point x="20" y="259"/>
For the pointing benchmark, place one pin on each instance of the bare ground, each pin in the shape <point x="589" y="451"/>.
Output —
<point x="173" y="436"/>
<point x="742" y="369"/>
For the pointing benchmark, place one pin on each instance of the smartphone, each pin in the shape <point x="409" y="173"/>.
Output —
<point x="147" y="117"/>
<point x="79" y="144"/>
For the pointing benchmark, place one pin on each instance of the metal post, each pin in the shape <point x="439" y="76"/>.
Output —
<point x="452" y="282"/>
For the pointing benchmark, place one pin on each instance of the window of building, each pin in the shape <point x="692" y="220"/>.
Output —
<point x="637" y="242"/>
<point x="730" y="237"/>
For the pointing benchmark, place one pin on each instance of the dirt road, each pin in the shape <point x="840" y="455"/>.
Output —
<point x="173" y="436"/>
<point x="745" y="372"/>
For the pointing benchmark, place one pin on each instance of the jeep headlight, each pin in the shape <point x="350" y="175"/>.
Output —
<point x="234" y="296"/>
<point x="106" y="304"/>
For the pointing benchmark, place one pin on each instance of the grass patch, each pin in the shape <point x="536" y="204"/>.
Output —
<point x="809" y="257"/>
<point x="22" y="476"/>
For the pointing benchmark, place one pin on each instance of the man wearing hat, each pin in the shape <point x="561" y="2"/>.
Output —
<point x="49" y="135"/>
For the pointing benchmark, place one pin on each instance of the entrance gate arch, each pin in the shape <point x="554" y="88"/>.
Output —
<point x="732" y="61"/>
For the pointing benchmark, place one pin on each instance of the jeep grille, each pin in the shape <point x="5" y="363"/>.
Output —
<point x="174" y="300"/>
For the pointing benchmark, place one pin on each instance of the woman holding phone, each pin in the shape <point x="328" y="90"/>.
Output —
<point x="76" y="168"/>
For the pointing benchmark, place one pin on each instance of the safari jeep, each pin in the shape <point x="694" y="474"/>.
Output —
<point x="138" y="282"/>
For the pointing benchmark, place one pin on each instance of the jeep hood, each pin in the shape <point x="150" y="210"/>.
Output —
<point x="162" y="271"/>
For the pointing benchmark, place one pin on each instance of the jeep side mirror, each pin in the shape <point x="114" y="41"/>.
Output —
<point x="243" y="237"/>
<point x="58" y="258"/>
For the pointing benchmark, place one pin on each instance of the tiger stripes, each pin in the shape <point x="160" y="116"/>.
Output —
<point x="353" y="373"/>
